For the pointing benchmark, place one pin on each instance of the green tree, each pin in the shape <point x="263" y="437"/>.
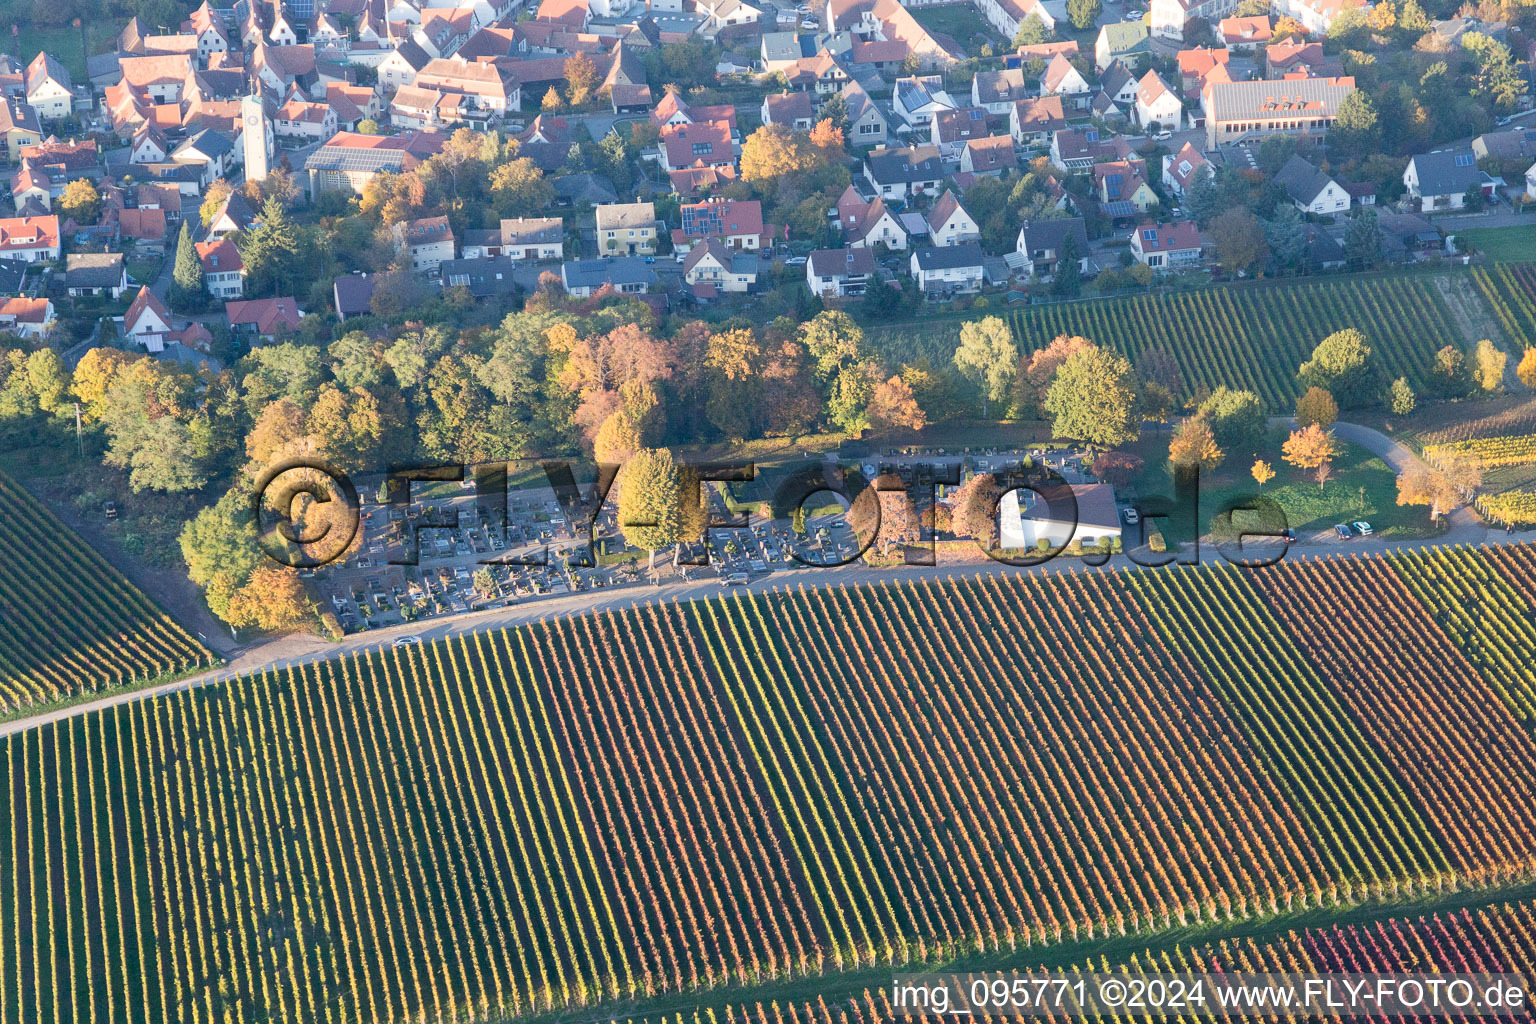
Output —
<point x="368" y="126"/>
<point x="988" y="358"/>
<point x="832" y="340"/>
<point x="518" y="189"/>
<point x="1093" y="398"/>
<point x="1362" y="240"/>
<point x="1316" y="406"/>
<point x="1084" y="13"/>
<point x="650" y="501"/>
<point x="1069" y="274"/>
<point x="1236" y="418"/>
<point x="848" y="402"/>
<point x="1031" y="32"/>
<point x="220" y="549"/>
<point x="187" y="293"/>
<point x="1411" y="18"/>
<point x="1402" y="398"/>
<point x="1344" y="364"/>
<point x="1286" y="236"/>
<point x="1356" y="133"/>
<point x="275" y="262"/>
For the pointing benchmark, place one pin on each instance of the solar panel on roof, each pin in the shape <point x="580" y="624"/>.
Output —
<point x="1465" y="160"/>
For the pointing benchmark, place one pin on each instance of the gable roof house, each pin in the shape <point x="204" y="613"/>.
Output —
<point x="950" y="224"/>
<point x="147" y="322"/>
<point x="1440" y="180"/>
<point x="1310" y="189"/>
<point x="1197" y="65"/>
<point x="710" y="267"/>
<point x="1062" y="79"/>
<point x="952" y="129"/>
<point x="793" y="109"/>
<point x="738" y="223"/>
<point x="1245" y="35"/>
<point x="1122" y="41"/>
<point x="1120" y="181"/>
<point x="953" y="268"/>
<point x="1032" y="121"/>
<point x="917" y="99"/>
<point x="265" y="318"/>
<point x="867" y="124"/>
<point x="29" y="239"/>
<point x="1040" y="245"/>
<point x="1182" y="168"/>
<point x="898" y="173"/>
<point x="49" y="90"/>
<point x="627" y="228"/>
<point x="481" y="84"/>
<point x="1293" y="56"/>
<point x="1164" y="246"/>
<point x="1156" y="104"/>
<point x="865" y="224"/>
<point x="998" y="91"/>
<point x="299" y="119"/>
<point x="1118" y="83"/>
<point x="223" y="269"/>
<point x="528" y="238"/>
<point x="428" y="240"/>
<point x="1514" y="149"/>
<point x="19" y="126"/>
<point x="839" y="273"/>
<point x="697" y="144"/>
<point x="990" y="156"/>
<point x="27" y="318"/>
<point x="96" y="273"/>
<point x="627" y="275"/>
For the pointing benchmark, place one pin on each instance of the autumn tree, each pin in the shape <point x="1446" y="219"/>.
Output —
<point x="1488" y="365"/>
<point x="1526" y="371"/>
<point x="213" y="200"/>
<point x="552" y="101"/>
<point x="774" y="151"/>
<point x="1316" y="406"/>
<point x="1443" y="487"/>
<point x="1312" y="448"/>
<point x="80" y="201"/>
<point x="827" y="137"/>
<point x="1239" y="240"/>
<point x="274" y="599"/>
<point x="988" y="358"/>
<point x="1194" y="444"/>
<point x="582" y="78"/>
<point x="1117" y="469"/>
<point x="96" y="372"/>
<point x="975" y="510"/>
<point x="368" y="126"/>
<point x="1093" y="398"/>
<point x="1038" y="369"/>
<point x="518" y="189"/>
<point x="1262" y="472"/>
<point x="650" y="501"/>
<point x="892" y="406"/>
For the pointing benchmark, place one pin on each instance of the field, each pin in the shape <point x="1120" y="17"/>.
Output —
<point x="63" y="41"/>
<point x="70" y="623"/>
<point x="1503" y="245"/>
<point x="1249" y="336"/>
<point x="705" y="797"/>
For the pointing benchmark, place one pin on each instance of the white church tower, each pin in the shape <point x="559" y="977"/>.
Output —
<point x="257" y="138"/>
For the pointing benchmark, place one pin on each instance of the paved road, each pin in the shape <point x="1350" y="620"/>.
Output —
<point x="297" y="650"/>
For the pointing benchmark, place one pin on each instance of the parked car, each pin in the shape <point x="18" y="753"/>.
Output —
<point x="736" y="579"/>
<point x="1162" y="136"/>
<point x="795" y="261"/>
<point x="1362" y="527"/>
<point x="1132" y="517"/>
<point x="407" y="641"/>
<point x="1343" y="531"/>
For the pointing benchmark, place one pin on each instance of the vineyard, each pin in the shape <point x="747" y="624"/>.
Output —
<point x="1497" y="939"/>
<point x="71" y="623"/>
<point x="1510" y="289"/>
<point x="1492" y="452"/>
<point x="1253" y="337"/>
<point x="683" y="797"/>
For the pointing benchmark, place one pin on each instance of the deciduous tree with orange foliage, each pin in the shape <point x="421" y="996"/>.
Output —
<point x="1194" y="444"/>
<point x="892" y="405"/>
<point x="1312" y="448"/>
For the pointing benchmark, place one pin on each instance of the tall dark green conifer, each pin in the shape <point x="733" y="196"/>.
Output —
<point x="187" y="293"/>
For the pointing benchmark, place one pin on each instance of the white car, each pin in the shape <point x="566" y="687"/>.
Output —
<point x="736" y="579"/>
<point x="1162" y="136"/>
<point x="1362" y="527"/>
<point x="407" y="641"/>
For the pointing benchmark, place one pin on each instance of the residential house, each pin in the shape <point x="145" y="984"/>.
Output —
<point x="627" y="275"/>
<point x="711" y="267"/>
<point x="234" y="214"/>
<point x="348" y="161"/>
<point x="266" y="319"/>
<point x="1311" y="190"/>
<point x="157" y="79"/>
<point x="149" y="146"/>
<point x="697" y="144"/>
<point x="953" y="268"/>
<point x="29" y="239"/>
<point x="492" y="277"/>
<point x="212" y="153"/>
<point x="1440" y="180"/>
<point x="19" y="126"/>
<point x="867" y="124"/>
<point x="95" y="273"/>
<point x="1181" y="169"/>
<point x="211" y="31"/>
<point x="1245" y="35"/>
<point x="900" y="173"/>
<point x="146" y="228"/>
<point x="840" y="273"/>
<point x="1157" y="105"/>
<point x="990" y="156"/>
<point x="1513" y="149"/>
<point x="31" y="319"/>
<point x="1033" y="121"/>
<point x="792" y="109"/>
<point x="950" y="224"/>
<point x="1293" y="57"/>
<point x="50" y="92"/>
<point x="1118" y="83"/>
<point x="627" y="228"/>
<point x="485" y="90"/>
<point x="823" y="74"/>
<point x="866" y="224"/>
<point x="1121" y="181"/>
<point x="1235" y="111"/>
<point x="401" y="66"/>
<point x="147" y="322"/>
<point x="738" y="223"/>
<point x="428" y="240"/>
<point x="998" y="91"/>
<point x="1041" y="244"/>
<point x="719" y="14"/>
<point x="305" y="121"/>
<point x="528" y="238"/>
<point x="353" y="294"/>
<point x="952" y="129"/>
<point x="1166" y="246"/>
<point x="1316" y="16"/>
<point x="1196" y="67"/>
<point x="1121" y="40"/>
<point x="223" y="269"/>
<point x="1061" y="78"/>
<point x="1170" y="19"/>
<point x="917" y="99"/>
